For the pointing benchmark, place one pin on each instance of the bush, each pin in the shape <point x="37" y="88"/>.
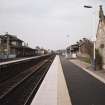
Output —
<point x="99" y="60"/>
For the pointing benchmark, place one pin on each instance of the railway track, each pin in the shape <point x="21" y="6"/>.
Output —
<point x="13" y="68"/>
<point x="21" y="89"/>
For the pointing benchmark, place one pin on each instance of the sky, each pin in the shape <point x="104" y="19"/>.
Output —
<point x="50" y="24"/>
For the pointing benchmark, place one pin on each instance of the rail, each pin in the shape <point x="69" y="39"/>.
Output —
<point x="21" y="92"/>
<point x="12" y="68"/>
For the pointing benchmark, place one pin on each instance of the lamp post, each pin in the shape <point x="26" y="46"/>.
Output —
<point x="94" y="55"/>
<point x="68" y="45"/>
<point x="68" y="36"/>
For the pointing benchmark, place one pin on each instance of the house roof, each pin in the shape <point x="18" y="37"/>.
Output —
<point x="12" y="37"/>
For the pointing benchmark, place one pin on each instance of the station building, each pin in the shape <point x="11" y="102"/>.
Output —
<point x="12" y="47"/>
<point x="100" y="35"/>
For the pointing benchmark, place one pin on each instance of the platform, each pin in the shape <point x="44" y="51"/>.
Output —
<point x="53" y="90"/>
<point x="21" y="59"/>
<point x="84" y="88"/>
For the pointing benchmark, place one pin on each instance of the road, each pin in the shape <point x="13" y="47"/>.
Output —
<point x="83" y="88"/>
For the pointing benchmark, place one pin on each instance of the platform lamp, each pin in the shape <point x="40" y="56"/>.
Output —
<point x="68" y="45"/>
<point x="94" y="57"/>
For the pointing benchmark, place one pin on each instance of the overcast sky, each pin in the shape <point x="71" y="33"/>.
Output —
<point x="50" y="24"/>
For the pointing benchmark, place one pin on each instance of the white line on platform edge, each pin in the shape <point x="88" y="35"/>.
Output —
<point x="53" y="90"/>
<point x="63" y="94"/>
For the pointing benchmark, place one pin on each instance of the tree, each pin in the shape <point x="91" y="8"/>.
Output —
<point x="88" y="47"/>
